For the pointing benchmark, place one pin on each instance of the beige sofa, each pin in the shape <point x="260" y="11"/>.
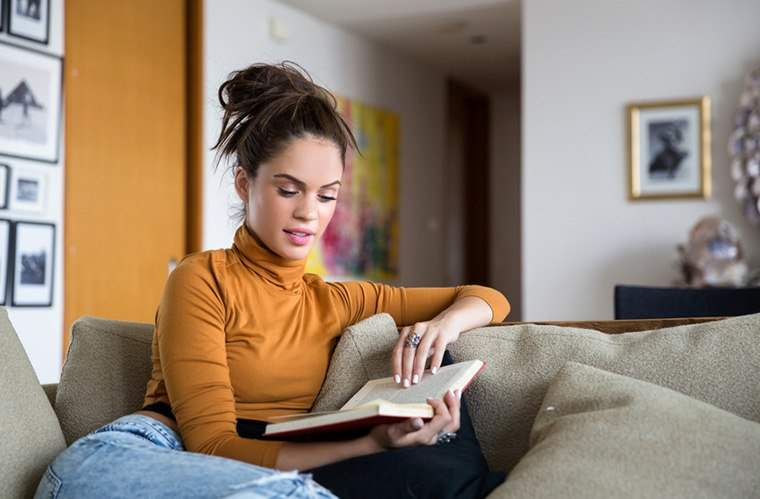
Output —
<point x="568" y="412"/>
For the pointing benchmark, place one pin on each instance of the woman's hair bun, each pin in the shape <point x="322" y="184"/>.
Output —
<point x="267" y="105"/>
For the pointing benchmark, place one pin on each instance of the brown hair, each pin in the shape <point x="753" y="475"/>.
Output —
<point x="268" y="105"/>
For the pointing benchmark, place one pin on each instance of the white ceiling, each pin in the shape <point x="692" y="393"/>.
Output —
<point x="438" y="33"/>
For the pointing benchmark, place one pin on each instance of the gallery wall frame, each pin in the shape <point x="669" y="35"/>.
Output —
<point x="32" y="272"/>
<point x="5" y="182"/>
<point x="31" y="89"/>
<point x="27" y="190"/>
<point x="5" y="258"/>
<point x="29" y="20"/>
<point x="669" y="149"/>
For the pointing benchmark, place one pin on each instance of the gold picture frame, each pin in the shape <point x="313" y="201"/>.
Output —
<point x="669" y="149"/>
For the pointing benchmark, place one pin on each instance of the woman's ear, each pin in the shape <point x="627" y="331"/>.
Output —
<point x="241" y="184"/>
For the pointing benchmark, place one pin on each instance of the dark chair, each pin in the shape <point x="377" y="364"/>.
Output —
<point x="642" y="302"/>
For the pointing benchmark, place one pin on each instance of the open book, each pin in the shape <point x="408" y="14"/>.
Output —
<point x="379" y="401"/>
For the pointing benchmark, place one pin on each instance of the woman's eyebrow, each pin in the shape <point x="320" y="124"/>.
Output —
<point x="301" y="183"/>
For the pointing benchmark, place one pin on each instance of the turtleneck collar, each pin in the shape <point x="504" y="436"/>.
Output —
<point x="282" y="272"/>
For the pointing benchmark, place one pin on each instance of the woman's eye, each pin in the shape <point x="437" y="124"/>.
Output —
<point x="326" y="199"/>
<point x="286" y="193"/>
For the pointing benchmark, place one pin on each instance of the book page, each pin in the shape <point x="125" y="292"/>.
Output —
<point x="453" y="376"/>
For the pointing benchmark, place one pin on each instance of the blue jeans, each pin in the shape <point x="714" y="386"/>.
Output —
<point x="138" y="456"/>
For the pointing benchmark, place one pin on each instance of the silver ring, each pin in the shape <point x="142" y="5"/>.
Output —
<point x="446" y="437"/>
<point x="413" y="340"/>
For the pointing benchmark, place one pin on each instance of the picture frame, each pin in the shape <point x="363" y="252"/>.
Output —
<point x="2" y="16"/>
<point x="5" y="258"/>
<point x="30" y="90"/>
<point x="669" y="149"/>
<point x="29" y="20"/>
<point x="28" y="190"/>
<point x="33" y="269"/>
<point x="5" y="182"/>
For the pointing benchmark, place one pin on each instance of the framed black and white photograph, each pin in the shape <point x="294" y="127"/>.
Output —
<point x="5" y="179"/>
<point x="33" y="262"/>
<point x="29" y="19"/>
<point x="669" y="149"/>
<point x="28" y="190"/>
<point x="5" y="258"/>
<point x="30" y="93"/>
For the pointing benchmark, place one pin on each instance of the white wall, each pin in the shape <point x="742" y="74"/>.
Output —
<point x="582" y="62"/>
<point x="506" y="264"/>
<point x="41" y="329"/>
<point x="237" y="34"/>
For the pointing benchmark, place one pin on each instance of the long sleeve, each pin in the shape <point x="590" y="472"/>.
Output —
<point x="361" y="299"/>
<point x="191" y="340"/>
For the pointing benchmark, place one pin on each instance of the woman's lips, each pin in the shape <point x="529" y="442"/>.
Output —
<point x="298" y="238"/>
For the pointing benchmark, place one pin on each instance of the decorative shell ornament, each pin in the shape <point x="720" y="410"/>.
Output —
<point x="713" y="255"/>
<point x="744" y="148"/>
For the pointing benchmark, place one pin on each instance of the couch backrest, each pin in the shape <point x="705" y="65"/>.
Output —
<point x="31" y="436"/>
<point x="104" y="377"/>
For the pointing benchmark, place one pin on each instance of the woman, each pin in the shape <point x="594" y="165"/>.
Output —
<point x="243" y="333"/>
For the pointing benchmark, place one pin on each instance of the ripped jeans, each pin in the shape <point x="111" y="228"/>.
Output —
<point x="138" y="456"/>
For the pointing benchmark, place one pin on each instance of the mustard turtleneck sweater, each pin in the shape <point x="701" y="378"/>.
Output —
<point x="242" y="332"/>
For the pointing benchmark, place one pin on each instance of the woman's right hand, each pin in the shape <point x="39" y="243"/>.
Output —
<point x="413" y="432"/>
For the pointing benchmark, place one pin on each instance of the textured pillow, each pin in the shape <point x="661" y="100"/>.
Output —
<point x="31" y="436"/>
<point x="716" y="362"/>
<point x="107" y="367"/>
<point x="601" y="435"/>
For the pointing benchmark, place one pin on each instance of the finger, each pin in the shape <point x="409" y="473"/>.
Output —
<point x="441" y="418"/>
<point x="420" y="357"/>
<point x="408" y="359"/>
<point x="397" y="355"/>
<point x="440" y="349"/>
<point x="453" y="402"/>
<point x="411" y="425"/>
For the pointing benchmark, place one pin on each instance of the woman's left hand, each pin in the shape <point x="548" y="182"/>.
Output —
<point x="408" y="362"/>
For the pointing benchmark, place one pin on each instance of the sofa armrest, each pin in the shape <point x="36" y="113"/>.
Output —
<point x="50" y="391"/>
<point x="620" y="326"/>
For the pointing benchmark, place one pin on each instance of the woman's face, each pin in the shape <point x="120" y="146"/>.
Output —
<point x="292" y="199"/>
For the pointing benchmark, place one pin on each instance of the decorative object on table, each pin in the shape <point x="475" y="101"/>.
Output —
<point x="5" y="179"/>
<point x="5" y="260"/>
<point x="669" y="149"/>
<point x="30" y="92"/>
<point x="713" y="255"/>
<point x="744" y="148"/>
<point x="33" y="262"/>
<point x="28" y="190"/>
<point x="30" y="20"/>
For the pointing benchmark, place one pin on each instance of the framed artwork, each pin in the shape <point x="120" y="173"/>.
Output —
<point x="30" y="92"/>
<point x="29" y="19"/>
<point x="669" y="149"/>
<point x="2" y="16"/>
<point x="33" y="261"/>
<point x="5" y="178"/>
<point x="28" y="190"/>
<point x="5" y="260"/>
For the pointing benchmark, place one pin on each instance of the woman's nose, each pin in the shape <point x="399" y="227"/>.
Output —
<point x="306" y="209"/>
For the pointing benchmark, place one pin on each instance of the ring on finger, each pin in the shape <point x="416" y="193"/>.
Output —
<point x="413" y="340"/>
<point x="446" y="437"/>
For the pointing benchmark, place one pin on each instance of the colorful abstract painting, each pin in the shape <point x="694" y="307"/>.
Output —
<point x="362" y="239"/>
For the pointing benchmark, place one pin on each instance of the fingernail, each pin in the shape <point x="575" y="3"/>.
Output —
<point x="416" y="424"/>
<point x="397" y="378"/>
<point x="434" y="370"/>
<point x="406" y="383"/>
<point x="459" y="394"/>
<point x="415" y="379"/>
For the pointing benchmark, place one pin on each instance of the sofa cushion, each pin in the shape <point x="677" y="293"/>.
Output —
<point x="31" y="436"/>
<point x="104" y="377"/>
<point x="600" y="435"/>
<point x="716" y="362"/>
